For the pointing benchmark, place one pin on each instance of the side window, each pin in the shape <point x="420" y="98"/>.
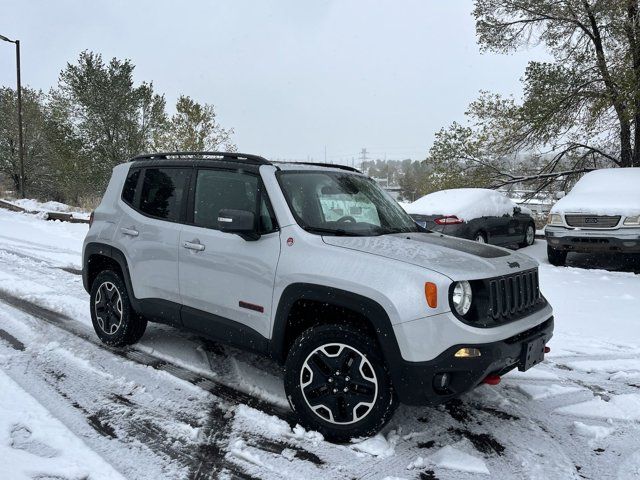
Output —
<point x="129" y="189"/>
<point x="221" y="189"/>
<point x="162" y="192"/>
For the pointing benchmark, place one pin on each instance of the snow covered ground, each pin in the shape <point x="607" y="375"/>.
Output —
<point x="179" y="406"/>
<point x="32" y="205"/>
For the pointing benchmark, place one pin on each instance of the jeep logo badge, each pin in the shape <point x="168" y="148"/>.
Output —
<point x="513" y="264"/>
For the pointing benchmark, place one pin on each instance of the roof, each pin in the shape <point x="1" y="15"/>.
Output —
<point x="236" y="157"/>
<point x="219" y="156"/>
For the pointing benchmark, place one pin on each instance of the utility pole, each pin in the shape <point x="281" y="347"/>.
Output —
<point x="363" y="156"/>
<point x="19" y="92"/>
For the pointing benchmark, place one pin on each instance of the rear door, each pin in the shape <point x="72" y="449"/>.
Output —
<point x="222" y="276"/>
<point x="495" y="227"/>
<point x="149" y="230"/>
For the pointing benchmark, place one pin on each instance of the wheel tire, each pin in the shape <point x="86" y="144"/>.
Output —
<point x="117" y="325"/>
<point x="556" y="257"/>
<point x="529" y="240"/>
<point x="367" y="362"/>
<point x="480" y="237"/>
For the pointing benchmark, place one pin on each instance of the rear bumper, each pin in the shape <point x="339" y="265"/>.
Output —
<point x="624" y="240"/>
<point x="416" y="379"/>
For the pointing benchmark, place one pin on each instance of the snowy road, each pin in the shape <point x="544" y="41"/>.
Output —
<point x="178" y="406"/>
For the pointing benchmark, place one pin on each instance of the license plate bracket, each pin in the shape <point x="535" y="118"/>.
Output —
<point x="532" y="353"/>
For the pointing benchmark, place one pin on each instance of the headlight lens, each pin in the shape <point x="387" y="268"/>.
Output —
<point x="461" y="297"/>
<point x="554" y="219"/>
<point x="632" y="220"/>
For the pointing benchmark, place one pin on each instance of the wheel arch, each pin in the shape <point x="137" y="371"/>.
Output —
<point x="99" y="257"/>
<point x="369" y="313"/>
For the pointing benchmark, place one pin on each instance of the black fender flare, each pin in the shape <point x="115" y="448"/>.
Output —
<point x="370" y="309"/>
<point x="97" y="248"/>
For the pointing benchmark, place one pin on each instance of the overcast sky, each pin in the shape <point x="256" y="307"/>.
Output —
<point x="290" y="76"/>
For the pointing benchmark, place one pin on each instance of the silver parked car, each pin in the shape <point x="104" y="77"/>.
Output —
<point x="600" y="214"/>
<point x="316" y="267"/>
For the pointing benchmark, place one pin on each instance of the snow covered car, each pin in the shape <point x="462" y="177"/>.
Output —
<point x="318" y="268"/>
<point x="600" y="214"/>
<point x="486" y="216"/>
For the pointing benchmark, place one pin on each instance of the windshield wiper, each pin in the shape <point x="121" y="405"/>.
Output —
<point x="392" y="230"/>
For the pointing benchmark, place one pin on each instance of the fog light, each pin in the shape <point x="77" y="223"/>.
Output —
<point x="441" y="381"/>
<point x="468" y="353"/>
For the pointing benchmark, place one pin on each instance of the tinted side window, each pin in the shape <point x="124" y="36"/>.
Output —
<point x="162" y="192"/>
<point x="129" y="189"/>
<point x="221" y="189"/>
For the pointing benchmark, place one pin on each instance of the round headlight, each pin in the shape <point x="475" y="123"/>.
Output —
<point x="462" y="297"/>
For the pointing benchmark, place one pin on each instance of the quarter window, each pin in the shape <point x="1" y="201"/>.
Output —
<point x="129" y="189"/>
<point x="162" y="192"/>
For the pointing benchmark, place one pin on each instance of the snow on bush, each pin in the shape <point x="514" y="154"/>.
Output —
<point x="464" y="203"/>
<point x="610" y="191"/>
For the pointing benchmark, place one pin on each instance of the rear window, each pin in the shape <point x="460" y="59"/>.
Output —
<point x="162" y="192"/>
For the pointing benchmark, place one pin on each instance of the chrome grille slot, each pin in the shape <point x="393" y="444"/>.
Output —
<point x="592" y="221"/>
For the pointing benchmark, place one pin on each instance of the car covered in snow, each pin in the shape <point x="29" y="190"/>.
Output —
<point x="600" y="214"/>
<point x="483" y="215"/>
<point x="318" y="268"/>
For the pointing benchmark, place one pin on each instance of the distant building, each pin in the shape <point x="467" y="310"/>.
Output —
<point x="393" y="190"/>
<point x="538" y="203"/>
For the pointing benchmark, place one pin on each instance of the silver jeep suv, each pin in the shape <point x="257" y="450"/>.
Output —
<point x="317" y="267"/>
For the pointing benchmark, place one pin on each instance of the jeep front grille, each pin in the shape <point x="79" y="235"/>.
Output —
<point x="513" y="296"/>
<point x="592" y="221"/>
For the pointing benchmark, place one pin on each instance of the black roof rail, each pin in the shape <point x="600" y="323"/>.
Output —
<point x="234" y="156"/>
<point x="328" y="165"/>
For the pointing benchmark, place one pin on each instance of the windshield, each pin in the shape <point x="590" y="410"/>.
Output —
<point x="337" y="203"/>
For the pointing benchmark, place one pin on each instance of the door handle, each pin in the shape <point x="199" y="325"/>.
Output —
<point x="197" y="246"/>
<point x="132" y="232"/>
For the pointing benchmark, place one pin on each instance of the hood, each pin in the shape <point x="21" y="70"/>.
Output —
<point x="456" y="258"/>
<point x="600" y="203"/>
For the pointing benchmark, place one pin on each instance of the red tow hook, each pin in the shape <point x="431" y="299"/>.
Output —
<point x="547" y="349"/>
<point x="492" y="380"/>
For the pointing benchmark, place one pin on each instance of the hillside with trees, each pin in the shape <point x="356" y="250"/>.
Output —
<point x="95" y="118"/>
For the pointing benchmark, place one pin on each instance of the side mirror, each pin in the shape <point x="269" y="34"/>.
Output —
<point x="241" y="222"/>
<point x="560" y="194"/>
<point x="516" y="210"/>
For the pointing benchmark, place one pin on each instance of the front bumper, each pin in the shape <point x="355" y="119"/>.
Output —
<point x="624" y="240"/>
<point x="416" y="379"/>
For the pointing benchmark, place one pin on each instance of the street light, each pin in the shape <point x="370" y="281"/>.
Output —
<point x="20" y="141"/>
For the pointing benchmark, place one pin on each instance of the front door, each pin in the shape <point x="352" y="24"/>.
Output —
<point x="226" y="282"/>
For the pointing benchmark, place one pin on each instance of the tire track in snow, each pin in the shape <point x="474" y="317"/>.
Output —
<point x="204" y="458"/>
<point x="218" y="389"/>
<point x="11" y="340"/>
